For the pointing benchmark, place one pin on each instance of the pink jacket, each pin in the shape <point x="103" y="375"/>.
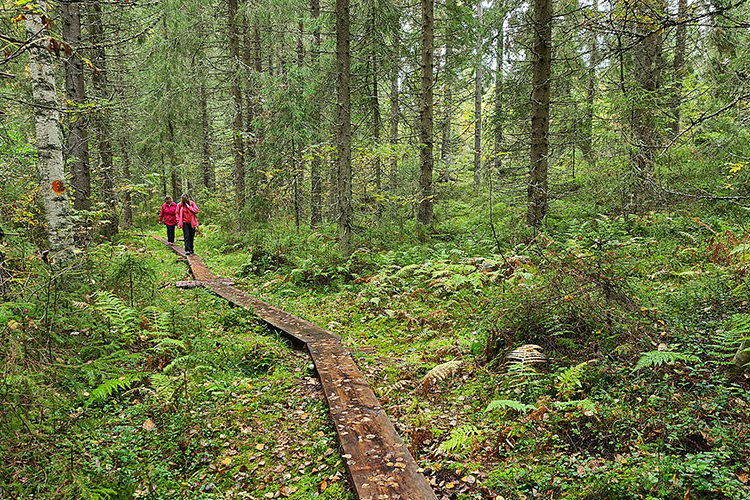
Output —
<point x="187" y="214"/>
<point x="168" y="214"/>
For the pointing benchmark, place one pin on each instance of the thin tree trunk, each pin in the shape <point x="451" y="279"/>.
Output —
<point x="426" y="160"/>
<point x="446" y="143"/>
<point x="393" y="119"/>
<point x="588" y="124"/>
<point x="127" y="209"/>
<point x="678" y="67"/>
<point x="75" y="92"/>
<point x="104" y="130"/>
<point x="49" y="136"/>
<point x="316" y="183"/>
<point x="478" y="103"/>
<point x="237" y="129"/>
<point x="648" y="66"/>
<point x="208" y="170"/>
<point x="344" y="127"/>
<point x="497" y="161"/>
<point x="540" y="109"/>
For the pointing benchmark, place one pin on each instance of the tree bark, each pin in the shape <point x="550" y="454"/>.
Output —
<point x="344" y="128"/>
<point x="648" y="65"/>
<point x="75" y="92"/>
<point x="127" y="209"/>
<point x="678" y="66"/>
<point x="49" y="135"/>
<point x="207" y="166"/>
<point x="587" y="140"/>
<point x="497" y="160"/>
<point x="238" y="150"/>
<point x="426" y="160"/>
<point x="540" y="109"/>
<point x="316" y="183"/>
<point x="107" y="195"/>
<point x="394" y="118"/>
<point x="446" y="125"/>
<point x="478" y="102"/>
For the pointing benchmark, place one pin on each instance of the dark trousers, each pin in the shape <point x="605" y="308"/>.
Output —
<point x="170" y="233"/>
<point x="188" y="231"/>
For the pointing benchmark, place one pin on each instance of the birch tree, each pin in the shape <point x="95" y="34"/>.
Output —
<point x="49" y="131"/>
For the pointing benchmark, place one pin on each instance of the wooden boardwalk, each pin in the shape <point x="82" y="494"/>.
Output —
<point x="379" y="464"/>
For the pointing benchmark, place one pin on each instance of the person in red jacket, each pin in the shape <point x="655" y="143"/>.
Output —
<point x="188" y="222"/>
<point x="168" y="216"/>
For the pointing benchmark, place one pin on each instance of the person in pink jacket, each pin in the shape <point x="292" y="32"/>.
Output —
<point x="168" y="216"/>
<point x="188" y="222"/>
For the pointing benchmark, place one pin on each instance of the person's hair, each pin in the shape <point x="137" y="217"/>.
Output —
<point x="185" y="198"/>
<point x="167" y="198"/>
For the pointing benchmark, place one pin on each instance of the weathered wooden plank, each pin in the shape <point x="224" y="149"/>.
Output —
<point x="378" y="462"/>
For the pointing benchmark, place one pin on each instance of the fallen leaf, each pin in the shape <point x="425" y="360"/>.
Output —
<point x="149" y="425"/>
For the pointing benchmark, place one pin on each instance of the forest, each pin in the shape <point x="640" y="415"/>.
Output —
<point x="524" y="220"/>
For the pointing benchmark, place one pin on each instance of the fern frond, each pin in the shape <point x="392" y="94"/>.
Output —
<point x="169" y="345"/>
<point x="660" y="358"/>
<point x="440" y="372"/>
<point x="109" y="387"/>
<point x="461" y="438"/>
<point x="120" y="316"/>
<point x="527" y="354"/>
<point x="396" y="386"/>
<point x="80" y="305"/>
<point x="588" y="406"/>
<point x="509" y="403"/>
<point x="569" y="381"/>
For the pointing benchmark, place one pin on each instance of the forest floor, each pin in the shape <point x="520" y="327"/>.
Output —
<point x="142" y="390"/>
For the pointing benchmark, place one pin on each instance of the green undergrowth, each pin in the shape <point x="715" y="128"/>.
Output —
<point x="638" y="318"/>
<point x="131" y="388"/>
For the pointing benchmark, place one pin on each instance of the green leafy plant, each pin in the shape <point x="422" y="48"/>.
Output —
<point x="509" y="404"/>
<point x="461" y="440"/>
<point x="660" y="358"/>
<point x="568" y="381"/>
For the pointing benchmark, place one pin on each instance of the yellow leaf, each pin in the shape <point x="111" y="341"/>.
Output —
<point x="260" y="446"/>
<point x="226" y="461"/>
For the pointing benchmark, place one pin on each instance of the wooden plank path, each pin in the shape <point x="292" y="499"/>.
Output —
<point x="379" y="464"/>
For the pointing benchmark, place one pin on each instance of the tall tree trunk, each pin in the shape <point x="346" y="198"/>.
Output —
<point x="587" y="140"/>
<point x="75" y="92"/>
<point x="393" y="119"/>
<point x="446" y="142"/>
<point x="426" y="160"/>
<point x="127" y="209"/>
<point x="237" y="129"/>
<point x="376" y="122"/>
<point x="49" y="135"/>
<point x="497" y="160"/>
<point x="678" y="66"/>
<point x="478" y="101"/>
<point x="207" y="166"/>
<point x="344" y="128"/>
<point x="648" y="65"/>
<point x="316" y="183"/>
<point x="540" y="108"/>
<point x="249" y="55"/>
<point x="107" y="195"/>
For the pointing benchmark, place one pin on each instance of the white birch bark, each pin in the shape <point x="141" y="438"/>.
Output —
<point x="49" y="135"/>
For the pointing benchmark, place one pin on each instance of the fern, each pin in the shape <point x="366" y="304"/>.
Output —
<point x="122" y="318"/>
<point x="588" y="406"/>
<point x="659" y="358"/>
<point x="461" y="438"/>
<point x="109" y="387"/>
<point x="509" y="403"/>
<point x="440" y="372"/>
<point x="569" y="380"/>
